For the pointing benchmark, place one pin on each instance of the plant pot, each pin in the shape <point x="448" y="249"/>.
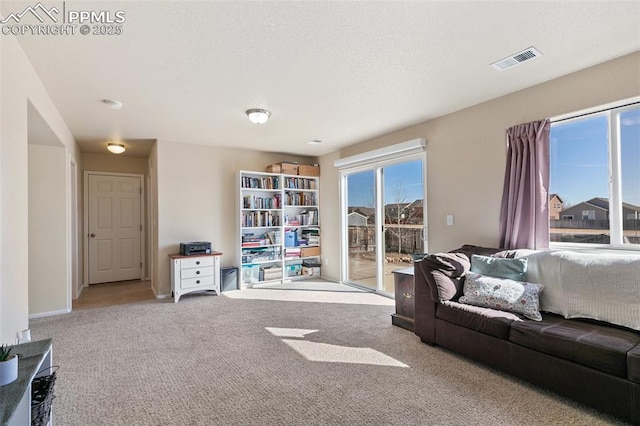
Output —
<point x="8" y="370"/>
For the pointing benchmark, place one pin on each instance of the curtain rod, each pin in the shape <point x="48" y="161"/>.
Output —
<point x="594" y="112"/>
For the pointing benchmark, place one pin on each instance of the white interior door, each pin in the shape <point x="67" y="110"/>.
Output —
<point x="114" y="227"/>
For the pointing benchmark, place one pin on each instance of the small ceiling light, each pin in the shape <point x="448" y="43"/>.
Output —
<point x="116" y="148"/>
<point x="315" y="141"/>
<point x="113" y="104"/>
<point x="258" y="116"/>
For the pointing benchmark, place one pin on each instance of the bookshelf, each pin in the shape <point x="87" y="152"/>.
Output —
<point x="279" y="227"/>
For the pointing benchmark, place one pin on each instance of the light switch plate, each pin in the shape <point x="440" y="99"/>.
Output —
<point x="449" y="220"/>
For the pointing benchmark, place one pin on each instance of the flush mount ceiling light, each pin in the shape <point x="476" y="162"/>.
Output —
<point x="315" y="141"/>
<point x="116" y="148"/>
<point x="112" y="104"/>
<point x="258" y="116"/>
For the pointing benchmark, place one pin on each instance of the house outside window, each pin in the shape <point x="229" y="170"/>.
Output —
<point x="595" y="169"/>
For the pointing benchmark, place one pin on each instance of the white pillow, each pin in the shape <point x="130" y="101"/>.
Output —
<point x="502" y="294"/>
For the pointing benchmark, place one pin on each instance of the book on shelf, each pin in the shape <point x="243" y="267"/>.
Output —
<point x="274" y="237"/>
<point x="268" y="182"/>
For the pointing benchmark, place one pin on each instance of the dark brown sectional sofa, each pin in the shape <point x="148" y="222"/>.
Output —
<point x="592" y="362"/>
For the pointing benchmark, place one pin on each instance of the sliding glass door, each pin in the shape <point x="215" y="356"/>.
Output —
<point x="403" y="211"/>
<point x="361" y="229"/>
<point x="384" y="212"/>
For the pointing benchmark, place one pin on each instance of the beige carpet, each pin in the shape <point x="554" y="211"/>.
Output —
<point x="276" y="357"/>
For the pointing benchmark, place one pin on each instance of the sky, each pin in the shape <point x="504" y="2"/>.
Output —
<point x="402" y="182"/>
<point x="579" y="167"/>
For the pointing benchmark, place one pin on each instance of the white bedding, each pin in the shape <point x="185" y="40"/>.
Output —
<point x="585" y="285"/>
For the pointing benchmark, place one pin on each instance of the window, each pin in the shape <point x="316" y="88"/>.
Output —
<point x="595" y="170"/>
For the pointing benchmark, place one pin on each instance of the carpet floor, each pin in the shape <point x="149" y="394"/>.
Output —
<point x="276" y="357"/>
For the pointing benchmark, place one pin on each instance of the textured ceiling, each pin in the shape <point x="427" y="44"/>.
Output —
<point x="341" y="72"/>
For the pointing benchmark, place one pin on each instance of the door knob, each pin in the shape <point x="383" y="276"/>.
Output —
<point x="92" y="235"/>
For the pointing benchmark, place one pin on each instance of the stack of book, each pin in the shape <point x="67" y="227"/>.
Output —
<point x="312" y="236"/>
<point x="293" y="252"/>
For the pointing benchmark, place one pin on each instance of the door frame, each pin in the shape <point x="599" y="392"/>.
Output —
<point x="85" y="235"/>
<point x="73" y="240"/>
<point x="376" y="165"/>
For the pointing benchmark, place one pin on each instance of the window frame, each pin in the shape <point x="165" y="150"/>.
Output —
<point x="612" y="112"/>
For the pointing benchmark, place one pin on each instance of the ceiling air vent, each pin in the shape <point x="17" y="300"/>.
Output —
<point x="516" y="59"/>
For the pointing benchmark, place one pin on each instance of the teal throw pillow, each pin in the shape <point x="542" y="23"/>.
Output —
<point x="512" y="269"/>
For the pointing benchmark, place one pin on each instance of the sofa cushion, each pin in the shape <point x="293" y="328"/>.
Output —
<point x="502" y="294"/>
<point x="447" y="270"/>
<point x="633" y="364"/>
<point x="589" y="343"/>
<point x="485" y="320"/>
<point x="513" y="269"/>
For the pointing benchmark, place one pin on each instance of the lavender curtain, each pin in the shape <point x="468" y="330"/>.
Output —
<point x="524" y="215"/>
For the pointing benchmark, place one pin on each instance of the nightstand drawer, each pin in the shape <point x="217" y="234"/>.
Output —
<point x="196" y="262"/>
<point x="196" y="272"/>
<point x="197" y="282"/>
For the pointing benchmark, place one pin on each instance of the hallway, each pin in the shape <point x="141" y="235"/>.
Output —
<point x="115" y="293"/>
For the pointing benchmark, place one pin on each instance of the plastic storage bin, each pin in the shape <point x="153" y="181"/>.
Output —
<point x="250" y="274"/>
<point x="228" y="278"/>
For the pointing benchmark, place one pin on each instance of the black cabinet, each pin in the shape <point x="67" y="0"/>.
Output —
<point x="405" y="300"/>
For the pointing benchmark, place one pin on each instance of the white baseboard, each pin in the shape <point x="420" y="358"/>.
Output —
<point x="49" y="314"/>
<point x="160" y="296"/>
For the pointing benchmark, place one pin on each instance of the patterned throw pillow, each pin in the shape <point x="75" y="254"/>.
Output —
<point x="503" y="294"/>
<point x="513" y="269"/>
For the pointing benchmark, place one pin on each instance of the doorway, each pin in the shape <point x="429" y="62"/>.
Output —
<point x="384" y="211"/>
<point x="114" y="227"/>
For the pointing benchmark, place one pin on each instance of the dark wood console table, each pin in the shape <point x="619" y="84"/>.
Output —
<point x="404" y="292"/>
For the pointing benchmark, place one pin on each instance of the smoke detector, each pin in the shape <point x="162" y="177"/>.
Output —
<point x="516" y="59"/>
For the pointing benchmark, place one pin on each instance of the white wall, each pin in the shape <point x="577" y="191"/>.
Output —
<point x="19" y="85"/>
<point x="466" y="154"/>
<point x="197" y="198"/>
<point x="48" y="231"/>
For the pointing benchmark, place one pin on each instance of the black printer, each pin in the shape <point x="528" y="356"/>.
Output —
<point x="195" y="247"/>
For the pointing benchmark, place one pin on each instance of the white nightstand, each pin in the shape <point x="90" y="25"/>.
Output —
<point x="194" y="273"/>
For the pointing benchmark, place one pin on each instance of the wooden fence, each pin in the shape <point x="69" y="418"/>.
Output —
<point x="403" y="239"/>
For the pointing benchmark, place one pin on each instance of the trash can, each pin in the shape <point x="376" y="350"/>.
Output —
<point x="228" y="278"/>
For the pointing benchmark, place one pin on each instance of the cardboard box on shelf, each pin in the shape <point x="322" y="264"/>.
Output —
<point x="286" y="167"/>
<point x="274" y="168"/>
<point x="306" y="170"/>
<point x="309" y="251"/>
<point x="311" y="271"/>
<point x="289" y="168"/>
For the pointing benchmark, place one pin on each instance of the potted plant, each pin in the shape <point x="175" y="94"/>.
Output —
<point x="8" y="365"/>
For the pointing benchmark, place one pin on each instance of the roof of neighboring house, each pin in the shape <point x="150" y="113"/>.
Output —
<point x="603" y="204"/>
<point x="415" y="204"/>
<point x="355" y="212"/>
<point x="630" y="206"/>
<point x="364" y="211"/>
<point x="552" y="196"/>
